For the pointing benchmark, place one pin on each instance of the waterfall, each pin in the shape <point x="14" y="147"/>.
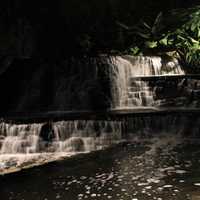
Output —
<point x="31" y="144"/>
<point x="89" y="135"/>
<point x="19" y="138"/>
<point x="63" y="136"/>
<point x="118" y="82"/>
<point x="128" y="89"/>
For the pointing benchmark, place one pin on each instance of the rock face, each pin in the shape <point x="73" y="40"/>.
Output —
<point x="30" y="86"/>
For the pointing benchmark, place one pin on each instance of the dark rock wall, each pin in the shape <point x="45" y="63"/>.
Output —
<point x="30" y="86"/>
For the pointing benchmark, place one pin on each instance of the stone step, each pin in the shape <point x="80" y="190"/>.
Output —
<point x="165" y="77"/>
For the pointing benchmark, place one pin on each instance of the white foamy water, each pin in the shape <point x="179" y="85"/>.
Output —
<point x="24" y="143"/>
<point x="22" y="138"/>
<point x="63" y="136"/>
<point x="130" y="93"/>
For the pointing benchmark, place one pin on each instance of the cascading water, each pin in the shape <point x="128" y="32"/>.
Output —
<point x="19" y="138"/>
<point x="86" y="135"/>
<point x="118" y="82"/>
<point x="129" y="90"/>
<point x="27" y="144"/>
<point x="63" y="136"/>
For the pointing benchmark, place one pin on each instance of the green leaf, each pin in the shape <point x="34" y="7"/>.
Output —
<point x="193" y="27"/>
<point x="157" y="24"/>
<point x="144" y="35"/>
<point x="135" y="51"/>
<point x="146" y="25"/>
<point x="164" y="41"/>
<point x="151" y="44"/>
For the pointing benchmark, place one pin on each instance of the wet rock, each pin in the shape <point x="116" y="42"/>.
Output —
<point x="47" y="133"/>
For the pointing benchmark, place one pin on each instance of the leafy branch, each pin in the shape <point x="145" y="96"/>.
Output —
<point x="177" y="30"/>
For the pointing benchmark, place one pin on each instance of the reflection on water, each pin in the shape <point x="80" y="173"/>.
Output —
<point x="158" y="168"/>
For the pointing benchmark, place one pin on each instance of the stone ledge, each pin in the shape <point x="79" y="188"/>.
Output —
<point x="112" y="114"/>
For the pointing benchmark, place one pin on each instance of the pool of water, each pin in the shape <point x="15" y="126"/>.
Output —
<point x="156" y="168"/>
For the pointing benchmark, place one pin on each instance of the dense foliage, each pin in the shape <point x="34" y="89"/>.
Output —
<point x="56" y="29"/>
<point x="177" y="31"/>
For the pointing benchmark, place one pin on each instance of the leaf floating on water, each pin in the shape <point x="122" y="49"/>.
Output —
<point x="83" y="177"/>
<point x="142" y="184"/>
<point x="148" y="187"/>
<point x="93" y="195"/>
<point x="153" y="180"/>
<point x="58" y="196"/>
<point x="168" y="186"/>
